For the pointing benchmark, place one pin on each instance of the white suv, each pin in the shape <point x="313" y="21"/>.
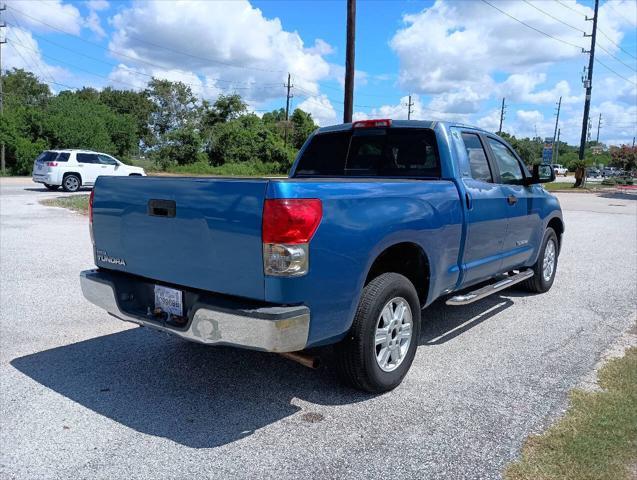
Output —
<point x="72" y="169"/>
<point x="559" y="169"/>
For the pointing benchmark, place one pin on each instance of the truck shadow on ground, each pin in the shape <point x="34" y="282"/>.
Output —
<point x="204" y="397"/>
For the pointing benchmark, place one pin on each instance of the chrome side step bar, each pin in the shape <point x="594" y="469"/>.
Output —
<point x="474" y="296"/>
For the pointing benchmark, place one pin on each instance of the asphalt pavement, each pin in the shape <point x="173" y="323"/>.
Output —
<point x="83" y="395"/>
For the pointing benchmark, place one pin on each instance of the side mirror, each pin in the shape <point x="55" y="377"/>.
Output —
<point x="542" y="173"/>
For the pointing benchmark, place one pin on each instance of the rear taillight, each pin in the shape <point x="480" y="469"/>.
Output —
<point x="51" y="164"/>
<point x="288" y="227"/>
<point x="90" y="215"/>
<point x="384" y="122"/>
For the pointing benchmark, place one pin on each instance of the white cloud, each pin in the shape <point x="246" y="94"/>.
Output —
<point x="46" y="16"/>
<point x="97" y="5"/>
<point x="321" y="47"/>
<point x="444" y="47"/>
<point x="93" y="23"/>
<point x="521" y="87"/>
<point x="231" y="42"/>
<point x="321" y="109"/>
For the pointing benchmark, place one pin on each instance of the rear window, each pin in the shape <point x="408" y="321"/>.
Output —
<point x="53" y="157"/>
<point x="394" y="152"/>
<point x="46" y="156"/>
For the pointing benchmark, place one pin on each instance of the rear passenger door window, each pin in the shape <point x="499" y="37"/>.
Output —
<point x="510" y="169"/>
<point x="478" y="162"/>
<point x="87" y="158"/>
<point x="89" y="165"/>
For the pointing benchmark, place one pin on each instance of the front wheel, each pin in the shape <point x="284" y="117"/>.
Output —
<point x="51" y="187"/>
<point x="381" y="345"/>
<point x="546" y="265"/>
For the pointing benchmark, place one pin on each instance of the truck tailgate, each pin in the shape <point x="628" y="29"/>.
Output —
<point x="202" y="233"/>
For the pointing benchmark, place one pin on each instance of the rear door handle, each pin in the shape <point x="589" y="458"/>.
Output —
<point x="512" y="199"/>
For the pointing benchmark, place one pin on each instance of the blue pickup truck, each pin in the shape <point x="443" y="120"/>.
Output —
<point x="377" y="219"/>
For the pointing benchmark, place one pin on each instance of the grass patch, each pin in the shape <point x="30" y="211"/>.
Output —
<point x="597" y="437"/>
<point x="77" y="203"/>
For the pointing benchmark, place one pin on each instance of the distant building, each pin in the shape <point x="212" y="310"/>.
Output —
<point x="597" y="150"/>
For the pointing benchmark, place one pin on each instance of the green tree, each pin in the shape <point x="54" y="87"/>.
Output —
<point x="73" y="121"/>
<point x="23" y="89"/>
<point x="175" y="107"/>
<point x="136" y="104"/>
<point x="247" y="139"/>
<point x="302" y="127"/>
<point x="181" y="146"/>
<point x="225" y="108"/>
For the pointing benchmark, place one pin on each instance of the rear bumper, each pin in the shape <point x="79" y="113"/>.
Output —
<point x="266" y="328"/>
<point x="48" y="178"/>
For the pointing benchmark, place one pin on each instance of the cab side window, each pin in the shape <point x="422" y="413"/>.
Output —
<point x="480" y="169"/>
<point x="510" y="169"/>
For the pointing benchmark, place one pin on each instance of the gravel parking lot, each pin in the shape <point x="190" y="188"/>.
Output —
<point x="84" y="395"/>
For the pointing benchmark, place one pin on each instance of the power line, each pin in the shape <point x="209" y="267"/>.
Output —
<point x="35" y="61"/>
<point x="163" y="47"/>
<point x="532" y="27"/>
<point x="613" y="71"/>
<point x="609" y="5"/>
<point x="570" y="8"/>
<point x="194" y="86"/>
<point x="598" y="29"/>
<point x="616" y="44"/>
<point x="554" y="17"/>
<point x="618" y="59"/>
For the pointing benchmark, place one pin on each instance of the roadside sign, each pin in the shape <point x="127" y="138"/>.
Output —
<point x="547" y="154"/>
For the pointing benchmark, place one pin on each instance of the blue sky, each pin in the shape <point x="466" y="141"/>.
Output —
<point x="458" y="58"/>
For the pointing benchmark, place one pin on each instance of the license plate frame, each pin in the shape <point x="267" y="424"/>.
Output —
<point x="169" y="300"/>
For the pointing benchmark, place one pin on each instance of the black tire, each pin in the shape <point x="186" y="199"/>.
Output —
<point x="538" y="283"/>
<point x="71" y="182"/>
<point x="356" y="354"/>
<point x="51" y="187"/>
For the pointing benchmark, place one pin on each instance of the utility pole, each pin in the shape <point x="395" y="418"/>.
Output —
<point x="556" y="147"/>
<point x="287" y="109"/>
<point x="3" y="165"/>
<point x="348" y="107"/>
<point x="557" y="120"/>
<point x="588" y="132"/>
<point x="409" y="105"/>
<point x="588" y="83"/>
<point x="501" y="116"/>
<point x="599" y="124"/>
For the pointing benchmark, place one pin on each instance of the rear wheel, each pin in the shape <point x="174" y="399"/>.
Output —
<point x="546" y="265"/>
<point x="51" y="187"/>
<point x="379" y="349"/>
<point x="71" y="183"/>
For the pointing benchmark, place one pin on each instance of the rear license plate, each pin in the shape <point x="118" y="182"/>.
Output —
<point x="169" y="300"/>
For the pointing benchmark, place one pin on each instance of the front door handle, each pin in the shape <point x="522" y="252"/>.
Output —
<point x="512" y="199"/>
